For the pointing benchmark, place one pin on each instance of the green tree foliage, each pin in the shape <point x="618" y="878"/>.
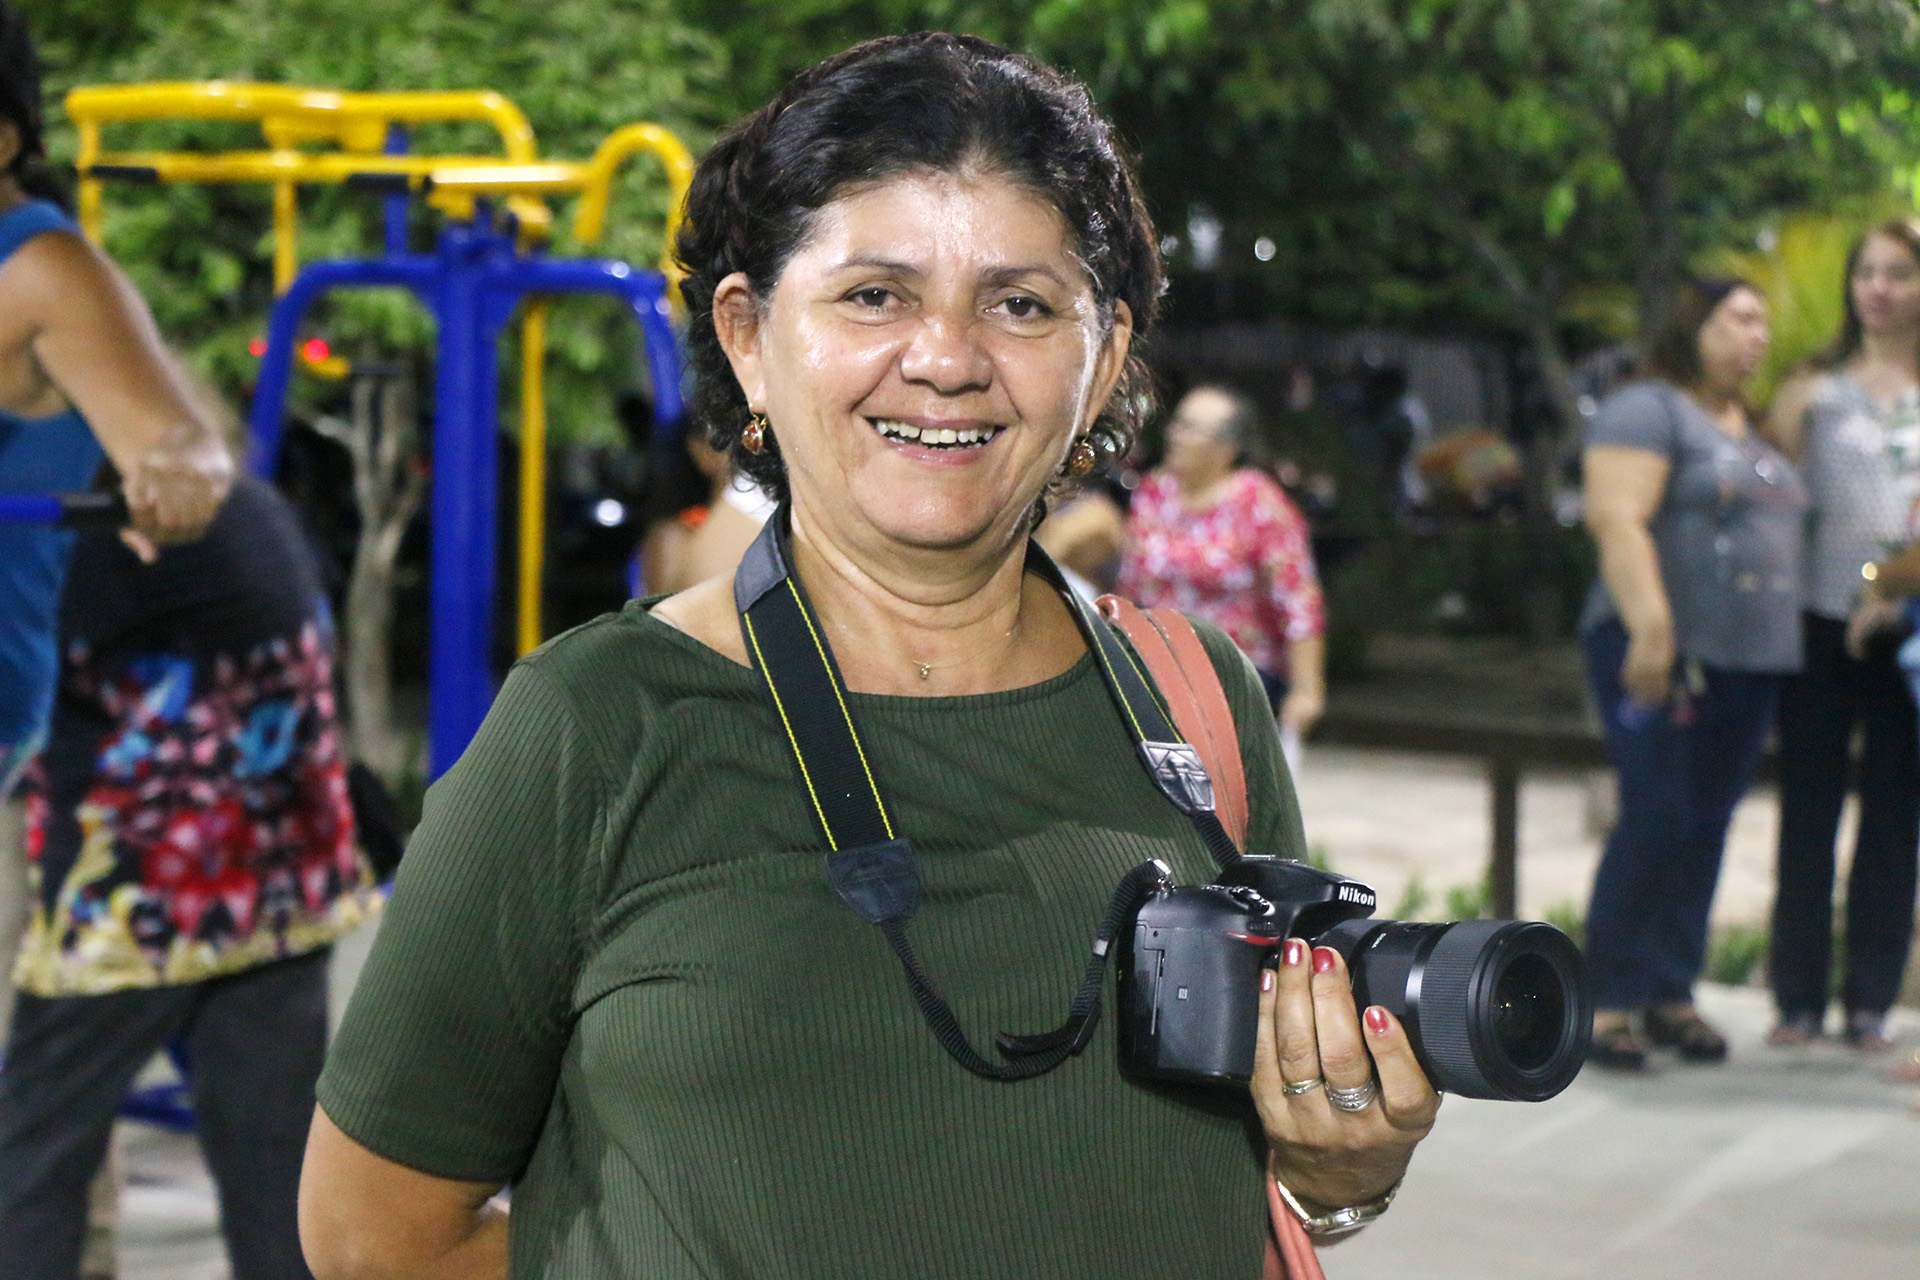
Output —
<point x="577" y="68"/>
<point x="1802" y="274"/>
<point x="1544" y="166"/>
<point x="1570" y="144"/>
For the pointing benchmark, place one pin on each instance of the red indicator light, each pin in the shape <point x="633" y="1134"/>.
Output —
<point x="316" y="350"/>
<point x="257" y="348"/>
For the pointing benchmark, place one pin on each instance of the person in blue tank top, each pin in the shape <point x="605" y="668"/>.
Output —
<point x="83" y="376"/>
<point x="82" y="373"/>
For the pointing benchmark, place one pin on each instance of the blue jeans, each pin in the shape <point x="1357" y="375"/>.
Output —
<point x="1682" y="769"/>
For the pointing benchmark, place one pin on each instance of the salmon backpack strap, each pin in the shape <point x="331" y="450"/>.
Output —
<point x="1196" y="702"/>
<point x="1290" y="1254"/>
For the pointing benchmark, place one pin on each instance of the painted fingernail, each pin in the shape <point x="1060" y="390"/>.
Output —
<point x="1323" y="959"/>
<point x="1266" y="979"/>
<point x="1296" y="951"/>
<point x="1376" y="1019"/>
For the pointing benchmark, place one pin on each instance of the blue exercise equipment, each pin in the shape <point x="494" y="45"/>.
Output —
<point x="473" y="283"/>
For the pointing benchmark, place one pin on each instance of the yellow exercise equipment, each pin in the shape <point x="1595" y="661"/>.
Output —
<point x="298" y="124"/>
<point x="453" y="191"/>
<point x="290" y="118"/>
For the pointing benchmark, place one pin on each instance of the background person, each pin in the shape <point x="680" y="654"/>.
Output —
<point x="1085" y="532"/>
<point x="193" y="861"/>
<point x="1687" y="634"/>
<point x="1854" y="427"/>
<point x="613" y="971"/>
<point x="1896" y="580"/>
<point x="1215" y="537"/>
<point x="82" y="369"/>
<point x="716" y="516"/>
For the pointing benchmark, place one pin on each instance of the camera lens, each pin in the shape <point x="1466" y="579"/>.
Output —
<point x="1494" y="1008"/>
<point x="1528" y="1010"/>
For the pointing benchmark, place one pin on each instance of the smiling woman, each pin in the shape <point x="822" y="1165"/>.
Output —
<point x="613" y="971"/>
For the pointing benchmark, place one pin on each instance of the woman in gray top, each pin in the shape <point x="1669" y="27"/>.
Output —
<point x="1687" y="635"/>
<point x="1854" y="425"/>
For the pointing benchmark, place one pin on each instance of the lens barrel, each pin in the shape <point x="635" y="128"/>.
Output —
<point x="1494" y="1008"/>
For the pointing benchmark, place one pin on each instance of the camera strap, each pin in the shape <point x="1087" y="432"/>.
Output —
<point x="869" y="863"/>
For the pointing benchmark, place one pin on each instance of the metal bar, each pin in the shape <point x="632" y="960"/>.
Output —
<point x="393" y="208"/>
<point x="1503" y="865"/>
<point x="301" y="114"/>
<point x="533" y="471"/>
<point x="590" y="217"/>
<point x="286" y="235"/>
<point x="655" y="315"/>
<point x="29" y="508"/>
<point x="91" y="510"/>
<point x="312" y="168"/>
<point x="645" y="292"/>
<point x="283" y="326"/>
<point x="124" y="172"/>
<point x="460" y="678"/>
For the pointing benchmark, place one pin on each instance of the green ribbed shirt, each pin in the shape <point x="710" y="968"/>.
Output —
<point x="612" y="972"/>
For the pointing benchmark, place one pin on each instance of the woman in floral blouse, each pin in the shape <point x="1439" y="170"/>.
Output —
<point x="1219" y="539"/>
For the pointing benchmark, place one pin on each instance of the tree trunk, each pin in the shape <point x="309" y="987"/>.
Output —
<point x="1546" y="445"/>
<point x="388" y="488"/>
<point x="1644" y="144"/>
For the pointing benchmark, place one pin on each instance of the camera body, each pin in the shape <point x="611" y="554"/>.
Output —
<point x="1493" y="1008"/>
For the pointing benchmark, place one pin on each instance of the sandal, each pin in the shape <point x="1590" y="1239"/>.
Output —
<point x="1618" y="1048"/>
<point x="1680" y="1026"/>
<point x="1867" y="1032"/>
<point x="1794" y="1030"/>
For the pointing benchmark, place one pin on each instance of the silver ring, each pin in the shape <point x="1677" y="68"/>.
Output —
<point x="1305" y="1086"/>
<point x="1353" y="1099"/>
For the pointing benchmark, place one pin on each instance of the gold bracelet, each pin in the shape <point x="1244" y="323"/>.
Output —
<point x="1339" y="1223"/>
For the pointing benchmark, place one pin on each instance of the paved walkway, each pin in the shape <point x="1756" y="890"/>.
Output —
<point x="1778" y="1166"/>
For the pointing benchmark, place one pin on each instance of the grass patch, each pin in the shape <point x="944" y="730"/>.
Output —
<point x="1467" y="902"/>
<point x="1569" y="918"/>
<point x="1736" y="955"/>
<point x="1414" y="900"/>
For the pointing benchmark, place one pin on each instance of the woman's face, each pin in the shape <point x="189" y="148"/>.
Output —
<point x="1734" y="340"/>
<point x="926" y="359"/>
<point x="1198" y="445"/>
<point x="1886" y="286"/>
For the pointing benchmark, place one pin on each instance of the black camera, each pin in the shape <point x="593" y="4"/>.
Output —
<point x="1494" y="1008"/>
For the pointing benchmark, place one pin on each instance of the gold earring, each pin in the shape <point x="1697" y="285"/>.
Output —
<point x="1081" y="458"/>
<point x="754" y="438"/>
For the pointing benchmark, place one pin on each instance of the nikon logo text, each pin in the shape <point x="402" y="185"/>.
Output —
<point x="1355" y="894"/>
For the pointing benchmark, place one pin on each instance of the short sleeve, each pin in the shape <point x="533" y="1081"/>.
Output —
<point x="1286" y="556"/>
<point x="1640" y="416"/>
<point x="448" y="1055"/>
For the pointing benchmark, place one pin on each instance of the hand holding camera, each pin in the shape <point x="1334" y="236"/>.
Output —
<point x="1258" y="980"/>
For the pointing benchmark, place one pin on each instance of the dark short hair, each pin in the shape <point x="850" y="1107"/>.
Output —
<point x="1674" y="353"/>
<point x="898" y="105"/>
<point x="20" y="87"/>
<point x="20" y="105"/>
<point x="1903" y="231"/>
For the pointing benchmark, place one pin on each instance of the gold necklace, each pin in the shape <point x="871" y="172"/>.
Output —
<point x="926" y="668"/>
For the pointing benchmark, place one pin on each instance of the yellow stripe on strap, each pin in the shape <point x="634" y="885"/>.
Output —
<point x="781" y="707"/>
<point x="838" y="697"/>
